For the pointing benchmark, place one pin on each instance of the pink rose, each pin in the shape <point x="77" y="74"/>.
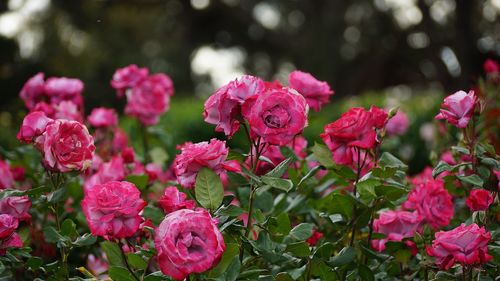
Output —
<point x="491" y="66"/>
<point x="13" y="241"/>
<point x="128" y="155"/>
<point x="64" y="89"/>
<point x="195" y="156"/>
<point x="154" y="172"/>
<point x="112" y="209"/>
<point x="317" y="93"/>
<point x="466" y="244"/>
<point x="8" y="224"/>
<point x="173" y="200"/>
<point x="479" y="200"/>
<point x="97" y="266"/>
<point x="447" y="157"/>
<point x="188" y="242"/>
<point x="6" y="177"/>
<point x="16" y="206"/>
<point x="398" y="124"/>
<point x="34" y="125"/>
<point x="458" y="108"/>
<point x="315" y="237"/>
<point x="128" y="77"/>
<point x="396" y="225"/>
<point x="223" y="108"/>
<point x="431" y="201"/>
<point x="33" y="91"/>
<point x="18" y="173"/>
<point x="150" y="99"/>
<point x="66" y="146"/>
<point x="46" y="108"/>
<point x="68" y="110"/>
<point x="354" y="129"/>
<point x="276" y="115"/>
<point x="114" y="170"/>
<point x="379" y="117"/>
<point x="120" y="140"/>
<point x="103" y="117"/>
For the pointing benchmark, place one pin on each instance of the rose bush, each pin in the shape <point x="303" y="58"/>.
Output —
<point x="115" y="203"/>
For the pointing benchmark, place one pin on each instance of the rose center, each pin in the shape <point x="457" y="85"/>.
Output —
<point x="276" y="117"/>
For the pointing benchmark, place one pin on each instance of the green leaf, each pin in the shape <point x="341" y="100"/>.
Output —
<point x="281" y="168"/>
<point x="309" y="174"/>
<point x="280" y="225"/>
<point x="301" y="232"/>
<point x="57" y="196"/>
<point x="441" y="167"/>
<point x="389" y="160"/>
<point x="324" y="251"/>
<point x="472" y="179"/>
<point x="299" y="249"/>
<point x="113" y="253"/>
<point x="281" y="184"/>
<point x="232" y="250"/>
<point x="34" y="262"/>
<point x="53" y="236"/>
<point x="156" y="276"/>
<point x="230" y="211"/>
<point x="341" y="204"/>
<point x="141" y="181"/>
<point x="68" y="228"/>
<point x="323" y="155"/>
<point x="366" y="188"/>
<point x="283" y="276"/>
<point x="85" y="240"/>
<point x="365" y="273"/>
<point x="319" y="268"/>
<point x="155" y="214"/>
<point x="118" y="273"/>
<point x="345" y="256"/>
<point x="208" y="189"/>
<point x="391" y="192"/>
<point x="136" y="261"/>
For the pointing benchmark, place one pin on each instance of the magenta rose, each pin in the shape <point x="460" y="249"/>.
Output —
<point x="34" y="125"/>
<point x="64" y="89"/>
<point x="33" y="91"/>
<point x="103" y="117"/>
<point x="276" y="115"/>
<point x="128" y="77"/>
<point x="315" y="237"/>
<point x="398" y="124"/>
<point x="479" y="200"/>
<point x="66" y="146"/>
<point x="8" y="224"/>
<point x="396" y="225"/>
<point x="458" y="108"/>
<point x="195" y="156"/>
<point x="223" y="108"/>
<point x="173" y="200"/>
<point x="354" y="129"/>
<point x="68" y="110"/>
<point x="317" y="93"/>
<point x="46" y="108"/>
<point x="466" y="244"/>
<point x="491" y="66"/>
<point x="6" y="177"/>
<point x="431" y="201"/>
<point x="13" y="241"/>
<point x="114" y="170"/>
<point x="112" y="209"/>
<point x="150" y="99"/>
<point x="188" y="241"/>
<point x="16" y="206"/>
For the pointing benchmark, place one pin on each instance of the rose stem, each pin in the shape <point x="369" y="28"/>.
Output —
<point x="56" y="183"/>
<point x="120" y="244"/>
<point x="145" y="143"/>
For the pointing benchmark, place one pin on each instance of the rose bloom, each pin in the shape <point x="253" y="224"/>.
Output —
<point x="188" y="241"/>
<point x="13" y="241"/>
<point x="64" y="89"/>
<point x="114" y="170"/>
<point x="18" y="173"/>
<point x="458" y="108"/>
<point x="16" y="206"/>
<point x="68" y="110"/>
<point x="103" y="117"/>
<point x="112" y="209"/>
<point x="479" y="200"/>
<point x="33" y="91"/>
<point x="316" y="92"/>
<point x="354" y="129"/>
<point x="398" y="124"/>
<point x="150" y="99"/>
<point x="8" y="224"/>
<point x="173" y="200"/>
<point x="491" y="66"/>
<point x="6" y="177"/>
<point x="120" y="140"/>
<point x="223" y="108"/>
<point x="97" y="266"/>
<point x="433" y="202"/>
<point x="195" y="156"/>
<point x="128" y="77"/>
<point x="46" y="108"/>
<point x="66" y="146"/>
<point x="315" y="237"/>
<point x="466" y="244"/>
<point x="33" y="125"/>
<point x="396" y="225"/>
<point x="276" y="115"/>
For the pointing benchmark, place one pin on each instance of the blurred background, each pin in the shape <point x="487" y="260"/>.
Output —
<point x="407" y="53"/>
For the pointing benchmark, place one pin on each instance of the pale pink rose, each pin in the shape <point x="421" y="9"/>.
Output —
<point x="173" y="200"/>
<point x="64" y="89"/>
<point x="466" y="244"/>
<point x="114" y="170"/>
<point x="102" y="117"/>
<point x="66" y="146"/>
<point x="34" y="125"/>
<point x="8" y="224"/>
<point x="6" y="177"/>
<point x="398" y="124"/>
<point x="112" y="209"/>
<point x="154" y="172"/>
<point x="68" y="110"/>
<point x="448" y="158"/>
<point x="396" y="225"/>
<point x="195" y="156"/>
<point x="16" y="206"/>
<point x="97" y="266"/>
<point x="479" y="200"/>
<point x="317" y="93"/>
<point x="188" y="241"/>
<point x="128" y="77"/>
<point x="276" y="115"/>
<point x="33" y="91"/>
<point x="458" y="108"/>
<point x="223" y="108"/>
